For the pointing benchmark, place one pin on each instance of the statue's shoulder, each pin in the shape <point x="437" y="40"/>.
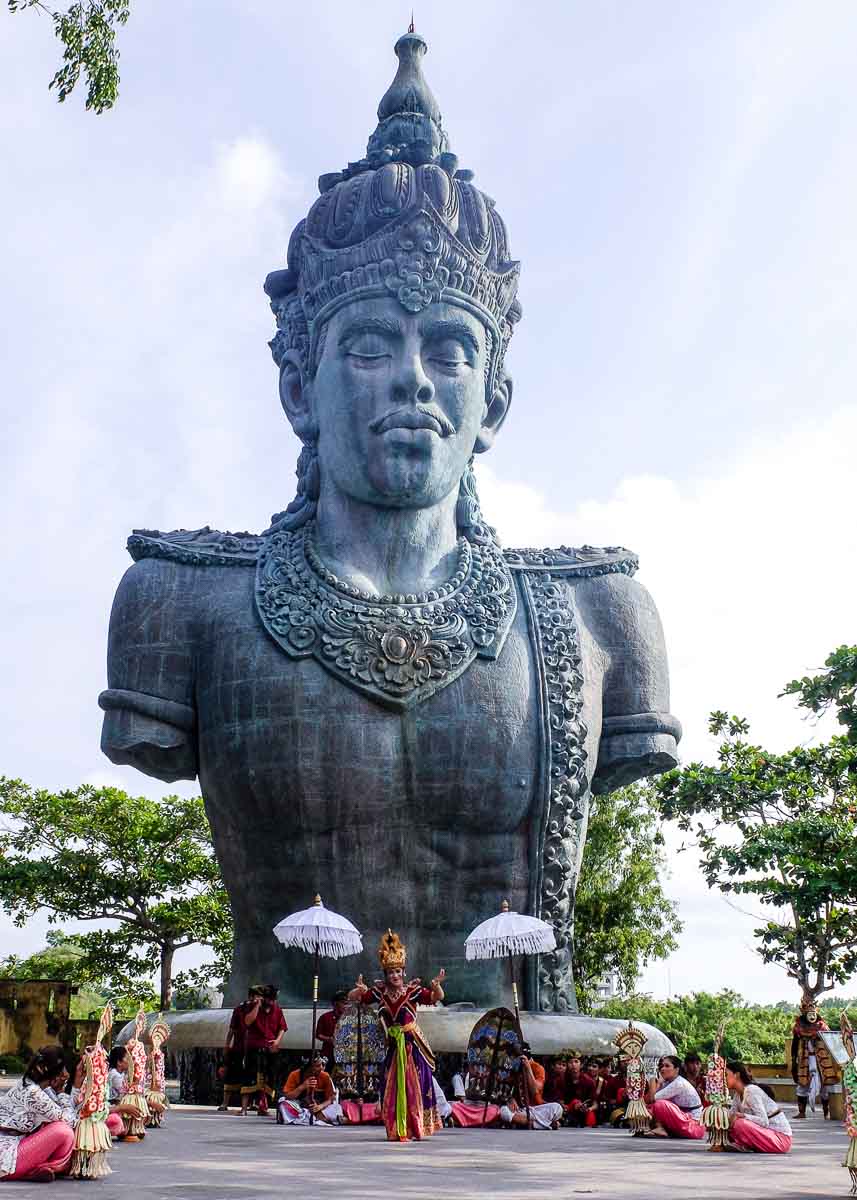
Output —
<point x="196" y="547"/>
<point x="583" y="562"/>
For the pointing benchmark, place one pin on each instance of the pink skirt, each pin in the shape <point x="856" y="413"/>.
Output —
<point x="676" y="1121"/>
<point x="755" y="1137"/>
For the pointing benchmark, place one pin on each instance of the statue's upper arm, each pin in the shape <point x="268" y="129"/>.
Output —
<point x="149" y="719"/>
<point x="639" y="735"/>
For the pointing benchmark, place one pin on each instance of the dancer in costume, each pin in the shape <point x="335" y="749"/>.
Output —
<point x="156" y="1091"/>
<point x="675" y="1103"/>
<point x="407" y="1099"/>
<point x="756" y="1122"/>
<point x="36" y="1132"/>
<point x="813" y="1068"/>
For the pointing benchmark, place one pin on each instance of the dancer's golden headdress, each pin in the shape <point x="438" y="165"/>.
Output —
<point x="392" y="952"/>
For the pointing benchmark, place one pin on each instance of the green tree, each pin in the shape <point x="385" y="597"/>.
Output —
<point x="87" y="31"/>
<point x="623" y="920"/>
<point x="754" y="1033"/>
<point x="97" y="854"/>
<point x="781" y="828"/>
<point x="834" y="687"/>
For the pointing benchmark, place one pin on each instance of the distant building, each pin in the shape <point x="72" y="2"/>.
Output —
<point x="608" y="987"/>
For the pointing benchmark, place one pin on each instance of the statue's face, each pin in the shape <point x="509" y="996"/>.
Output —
<point x="399" y="401"/>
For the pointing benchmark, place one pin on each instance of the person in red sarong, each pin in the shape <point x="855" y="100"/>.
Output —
<point x="325" y="1026"/>
<point x="579" y="1097"/>
<point x="265" y="1025"/>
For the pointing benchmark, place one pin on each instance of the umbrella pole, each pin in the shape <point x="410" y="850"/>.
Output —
<point x="314" y="1016"/>
<point x="489" y="1087"/>
<point x="524" y="1088"/>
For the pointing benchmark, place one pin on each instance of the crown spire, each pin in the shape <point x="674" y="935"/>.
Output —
<point x="409" y="121"/>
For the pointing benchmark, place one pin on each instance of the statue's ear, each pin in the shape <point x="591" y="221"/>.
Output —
<point x="295" y="396"/>
<point x="495" y="413"/>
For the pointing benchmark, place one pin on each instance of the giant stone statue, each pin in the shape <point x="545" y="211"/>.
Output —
<point x="379" y="701"/>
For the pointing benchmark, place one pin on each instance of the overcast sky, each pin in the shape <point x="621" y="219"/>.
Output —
<point x="679" y="181"/>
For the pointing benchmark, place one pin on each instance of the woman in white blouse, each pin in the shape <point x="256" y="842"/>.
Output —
<point x="756" y="1122"/>
<point x="674" y="1102"/>
<point x="36" y="1134"/>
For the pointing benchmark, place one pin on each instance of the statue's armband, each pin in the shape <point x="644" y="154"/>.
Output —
<point x="149" y="717"/>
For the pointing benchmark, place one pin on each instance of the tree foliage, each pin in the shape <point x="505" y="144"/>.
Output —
<point x="97" y="854"/>
<point x="623" y="920"/>
<point x="834" y="687"/>
<point x="754" y="1033"/>
<point x="87" y="31"/>
<point x="781" y="828"/>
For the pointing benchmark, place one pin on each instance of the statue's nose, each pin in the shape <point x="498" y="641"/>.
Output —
<point x="411" y="385"/>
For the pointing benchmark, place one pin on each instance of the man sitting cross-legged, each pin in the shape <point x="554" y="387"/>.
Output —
<point x="534" y="1113"/>
<point x="308" y="1091"/>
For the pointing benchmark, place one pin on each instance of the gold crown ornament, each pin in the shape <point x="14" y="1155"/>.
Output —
<point x="392" y="952"/>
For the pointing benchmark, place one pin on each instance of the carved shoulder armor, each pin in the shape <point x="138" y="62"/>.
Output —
<point x="582" y="561"/>
<point x="204" y="547"/>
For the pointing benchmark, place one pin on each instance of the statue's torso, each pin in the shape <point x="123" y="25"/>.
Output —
<point x="424" y="815"/>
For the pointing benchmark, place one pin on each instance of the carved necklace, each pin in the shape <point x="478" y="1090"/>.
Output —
<point x="398" y="649"/>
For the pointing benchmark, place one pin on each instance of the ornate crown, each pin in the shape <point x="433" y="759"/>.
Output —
<point x="808" y="1003"/>
<point x="392" y="952"/>
<point x="405" y="222"/>
<point x="630" y="1041"/>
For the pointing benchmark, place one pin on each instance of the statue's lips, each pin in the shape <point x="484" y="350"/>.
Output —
<point x="413" y="419"/>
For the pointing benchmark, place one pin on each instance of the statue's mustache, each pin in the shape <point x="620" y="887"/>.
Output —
<point x="418" y="416"/>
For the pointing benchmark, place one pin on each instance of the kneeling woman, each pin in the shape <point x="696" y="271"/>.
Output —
<point x="408" y="1103"/>
<point x="36" y="1137"/>
<point x="674" y="1102"/>
<point x="756" y="1122"/>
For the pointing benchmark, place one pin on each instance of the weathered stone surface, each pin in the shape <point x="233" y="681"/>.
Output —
<point x="380" y="704"/>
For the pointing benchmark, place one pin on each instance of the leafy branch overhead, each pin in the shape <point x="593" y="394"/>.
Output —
<point x="87" y="31"/>
<point x="97" y="854"/>
<point x="781" y="829"/>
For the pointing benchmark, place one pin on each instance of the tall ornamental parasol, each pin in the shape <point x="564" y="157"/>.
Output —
<point x="321" y="933"/>
<point x="505" y="936"/>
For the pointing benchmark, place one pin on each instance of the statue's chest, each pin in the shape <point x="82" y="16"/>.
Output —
<point x="270" y="723"/>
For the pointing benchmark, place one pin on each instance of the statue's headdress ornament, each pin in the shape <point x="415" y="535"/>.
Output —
<point x="404" y="221"/>
<point x="392" y="952"/>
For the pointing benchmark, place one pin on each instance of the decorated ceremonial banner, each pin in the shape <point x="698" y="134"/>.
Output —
<point x="135" y="1087"/>
<point x="92" y="1140"/>
<point x="631" y="1042"/>
<point x="156" y="1091"/>
<point x="715" y="1117"/>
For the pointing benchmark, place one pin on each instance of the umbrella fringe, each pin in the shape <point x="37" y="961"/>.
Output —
<point x="305" y="937"/>
<point x="516" y="943"/>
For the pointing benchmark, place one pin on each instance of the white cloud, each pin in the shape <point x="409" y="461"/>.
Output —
<point x="754" y="570"/>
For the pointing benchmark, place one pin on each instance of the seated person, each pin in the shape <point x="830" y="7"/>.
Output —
<point x="674" y="1102"/>
<point x="579" y="1095"/>
<point x="444" y="1108"/>
<point x="555" y="1083"/>
<point x="117" y="1078"/>
<point x="72" y="1102"/>
<point x="694" y="1073"/>
<point x="308" y="1091"/>
<point x="36" y="1136"/>
<point x="534" y="1112"/>
<point x="325" y="1026"/>
<point x="608" y="1087"/>
<point x="756" y="1121"/>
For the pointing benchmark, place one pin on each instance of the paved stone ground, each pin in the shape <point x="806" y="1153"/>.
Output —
<point x="224" y="1157"/>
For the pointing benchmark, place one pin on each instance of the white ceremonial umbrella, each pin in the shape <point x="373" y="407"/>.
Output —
<point x="321" y="933"/>
<point x="504" y="936"/>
